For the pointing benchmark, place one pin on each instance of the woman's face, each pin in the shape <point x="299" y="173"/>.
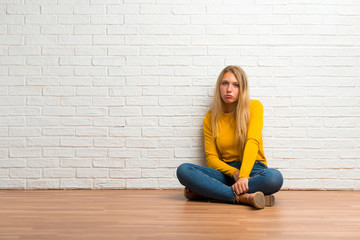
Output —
<point x="229" y="89"/>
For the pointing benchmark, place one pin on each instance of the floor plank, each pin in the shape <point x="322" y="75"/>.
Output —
<point x="165" y="214"/>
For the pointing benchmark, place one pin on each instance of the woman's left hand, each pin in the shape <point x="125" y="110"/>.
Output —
<point x="241" y="186"/>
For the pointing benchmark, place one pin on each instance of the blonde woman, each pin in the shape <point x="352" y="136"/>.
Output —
<point x="237" y="170"/>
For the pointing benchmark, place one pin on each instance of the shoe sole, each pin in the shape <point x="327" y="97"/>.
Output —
<point x="269" y="200"/>
<point x="259" y="200"/>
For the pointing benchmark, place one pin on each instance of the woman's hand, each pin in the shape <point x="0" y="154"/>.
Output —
<point x="241" y="186"/>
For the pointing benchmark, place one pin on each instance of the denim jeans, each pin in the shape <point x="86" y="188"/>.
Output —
<point x="214" y="184"/>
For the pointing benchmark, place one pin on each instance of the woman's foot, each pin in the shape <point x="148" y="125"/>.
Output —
<point x="257" y="200"/>
<point x="190" y="195"/>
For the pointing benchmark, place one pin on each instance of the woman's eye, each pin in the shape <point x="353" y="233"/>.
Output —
<point x="224" y="83"/>
<point x="236" y="85"/>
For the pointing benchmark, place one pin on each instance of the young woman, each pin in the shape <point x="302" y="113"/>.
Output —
<point x="237" y="170"/>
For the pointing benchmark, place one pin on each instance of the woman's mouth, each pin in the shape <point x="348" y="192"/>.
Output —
<point x="228" y="96"/>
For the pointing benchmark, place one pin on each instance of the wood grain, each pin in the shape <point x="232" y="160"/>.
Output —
<point x="165" y="214"/>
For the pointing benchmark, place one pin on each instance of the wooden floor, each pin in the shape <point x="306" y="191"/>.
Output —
<point x="165" y="214"/>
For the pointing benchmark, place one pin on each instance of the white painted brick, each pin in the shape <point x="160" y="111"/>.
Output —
<point x="75" y="61"/>
<point x="75" y="81"/>
<point x="108" y="40"/>
<point x="24" y="132"/>
<point x="75" y="101"/>
<point x="12" y="183"/>
<point x="169" y="184"/>
<point x="158" y="173"/>
<point x="91" y="153"/>
<point x="124" y="154"/>
<point x="123" y="50"/>
<point x="4" y="173"/>
<point x="58" y="91"/>
<point x="26" y="152"/>
<point x="12" y="121"/>
<point x="91" y="91"/>
<point x="107" y="61"/>
<point x="42" y="184"/>
<point x="76" y="183"/>
<point x="113" y="163"/>
<point x="157" y="132"/>
<point x="125" y="132"/>
<point x="76" y="121"/>
<point x="76" y="162"/>
<point x="145" y="183"/>
<point x="90" y="51"/>
<point x="40" y="81"/>
<point x="74" y="40"/>
<point x="141" y="143"/>
<point x="58" y="111"/>
<point x="89" y="10"/>
<point x="124" y="71"/>
<point x="12" y="142"/>
<point x="109" y="122"/>
<point x="109" y="142"/>
<point x="92" y="173"/>
<point x="131" y="121"/>
<point x="25" y="173"/>
<point x="125" y="173"/>
<point x="125" y="112"/>
<point x="58" y="131"/>
<point x="57" y="51"/>
<point x="113" y="101"/>
<point x="91" y="131"/>
<point x="57" y="71"/>
<point x="71" y="19"/>
<point x="42" y="163"/>
<point x="23" y="30"/>
<point x="13" y="163"/>
<point x="59" y="152"/>
<point x="57" y="29"/>
<point x="91" y="112"/>
<point x="90" y="71"/>
<point x="142" y="101"/>
<point x="155" y="40"/>
<point x="76" y="142"/>
<point x="109" y="184"/>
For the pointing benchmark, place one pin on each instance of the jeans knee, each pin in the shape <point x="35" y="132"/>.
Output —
<point x="277" y="180"/>
<point x="274" y="180"/>
<point x="182" y="170"/>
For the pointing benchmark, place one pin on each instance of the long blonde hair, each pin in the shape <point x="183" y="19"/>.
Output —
<point x="241" y="111"/>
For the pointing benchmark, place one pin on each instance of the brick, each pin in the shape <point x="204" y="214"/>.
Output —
<point x="91" y="173"/>
<point x="125" y="173"/>
<point x="74" y="19"/>
<point x="57" y="29"/>
<point x="76" y="162"/>
<point x="25" y="173"/>
<point x="90" y="51"/>
<point x="76" y="183"/>
<point x="12" y="183"/>
<point x="113" y="163"/>
<point x="91" y="153"/>
<point x="42" y="184"/>
<point x="109" y="183"/>
<point x="42" y="163"/>
<point x="146" y="183"/>
<point x="23" y="30"/>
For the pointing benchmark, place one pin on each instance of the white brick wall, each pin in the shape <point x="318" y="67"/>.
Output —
<point x="111" y="94"/>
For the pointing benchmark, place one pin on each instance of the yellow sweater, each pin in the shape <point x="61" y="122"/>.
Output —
<point x="226" y="149"/>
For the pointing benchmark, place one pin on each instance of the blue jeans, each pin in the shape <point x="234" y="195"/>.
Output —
<point x="214" y="184"/>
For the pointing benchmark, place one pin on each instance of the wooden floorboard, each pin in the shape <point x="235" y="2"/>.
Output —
<point x="165" y="214"/>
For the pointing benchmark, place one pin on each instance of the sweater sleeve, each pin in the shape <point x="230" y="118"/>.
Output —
<point x="254" y="137"/>
<point x="212" y="157"/>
